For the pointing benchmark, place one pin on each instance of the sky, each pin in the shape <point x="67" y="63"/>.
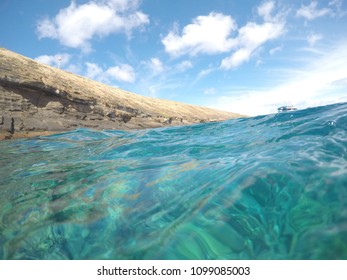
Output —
<point x="248" y="57"/>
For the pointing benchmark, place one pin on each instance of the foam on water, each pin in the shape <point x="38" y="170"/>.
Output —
<point x="269" y="187"/>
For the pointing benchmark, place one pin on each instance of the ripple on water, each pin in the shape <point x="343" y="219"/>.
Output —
<point x="269" y="187"/>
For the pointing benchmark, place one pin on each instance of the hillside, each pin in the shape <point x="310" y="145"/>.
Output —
<point x="40" y="99"/>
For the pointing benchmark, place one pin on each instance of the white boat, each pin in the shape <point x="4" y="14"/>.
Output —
<point x="286" y="109"/>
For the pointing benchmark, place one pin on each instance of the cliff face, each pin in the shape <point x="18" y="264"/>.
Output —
<point x="37" y="97"/>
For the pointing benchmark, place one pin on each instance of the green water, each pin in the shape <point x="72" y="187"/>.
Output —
<point x="269" y="187"/>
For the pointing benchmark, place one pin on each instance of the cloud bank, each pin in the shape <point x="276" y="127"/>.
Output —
<point x="322" y="81"/>
<point x="218" y="33"/>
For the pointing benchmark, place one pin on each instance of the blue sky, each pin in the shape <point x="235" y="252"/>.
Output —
<point x="248" y="57"/>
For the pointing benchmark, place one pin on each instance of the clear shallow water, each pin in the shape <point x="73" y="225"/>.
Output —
<point x="269" y="187"/>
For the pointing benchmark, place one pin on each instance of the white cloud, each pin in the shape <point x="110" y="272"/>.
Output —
<point x="46" y="28"/>
<point x="213" y="34"/>
<point x="259" y="62"/>
<point x="337" y="3"/>
<point x="184" y="65"/>
<point x="123" y="73"/>
<point x="204" y="73"/>
<point x="156" y="65"/>
<point x="59" y="60"/>
<point x="265" y="10"/>
<point x="337" y="8"/>
<point x="240" y="56"/>
<point x="122" y="5"/>
<point x="74" y="68"/>
<point x="93" y="71"/>
<point x="321" y="82"/>
<point x="311" y="11"/>
<point x="251" y="37"/>
<point x="312" y="39"/>
<point x="76" y="25"/>
<point x="207" y="34"/>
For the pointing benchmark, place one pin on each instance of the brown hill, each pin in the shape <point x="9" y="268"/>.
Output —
<point x="40" y="99"/>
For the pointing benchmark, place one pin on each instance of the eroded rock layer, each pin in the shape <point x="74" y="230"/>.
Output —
<point x="36" y="97"/>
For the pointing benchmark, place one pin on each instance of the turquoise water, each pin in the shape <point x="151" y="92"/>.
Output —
<point x="269" y="187"/>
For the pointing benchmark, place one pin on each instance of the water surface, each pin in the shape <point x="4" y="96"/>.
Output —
<point x="269" y="187"/>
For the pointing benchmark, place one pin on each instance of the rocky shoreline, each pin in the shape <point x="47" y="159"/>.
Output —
<point x="36" y="99"/>
<point x="28" y="134"/>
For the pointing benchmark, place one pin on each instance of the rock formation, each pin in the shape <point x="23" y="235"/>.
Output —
<point x="38" y="98"/>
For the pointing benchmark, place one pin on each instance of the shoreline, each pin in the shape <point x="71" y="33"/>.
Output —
<point x="4" y="135"/>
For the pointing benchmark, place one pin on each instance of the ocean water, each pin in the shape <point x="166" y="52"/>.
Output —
<point x="268" y="187"/>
